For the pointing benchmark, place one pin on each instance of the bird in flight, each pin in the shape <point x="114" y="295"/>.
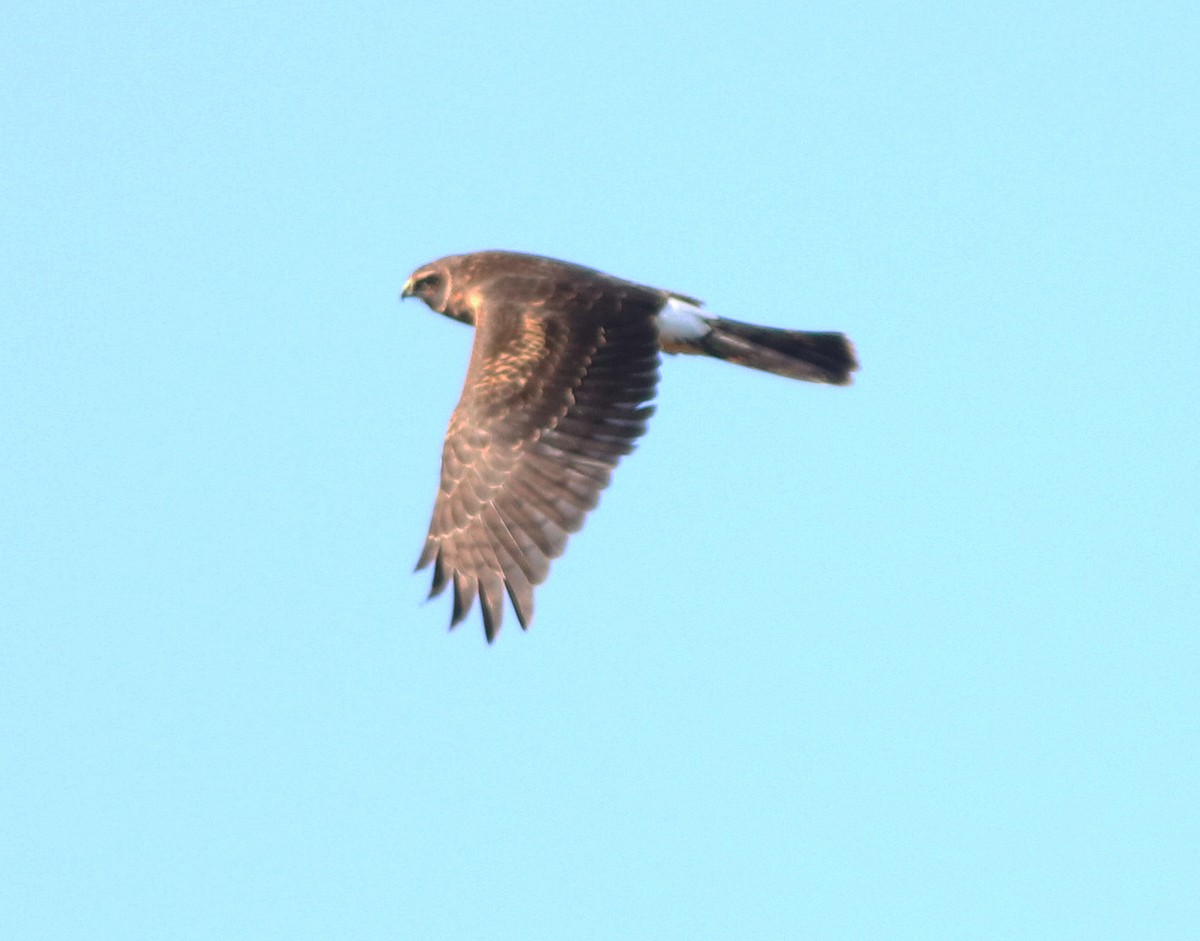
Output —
<point x="564" y="365"/>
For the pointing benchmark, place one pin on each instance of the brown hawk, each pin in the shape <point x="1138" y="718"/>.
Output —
<point x="564" y="364"/>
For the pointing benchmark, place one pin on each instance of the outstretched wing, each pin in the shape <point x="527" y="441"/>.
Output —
<point x="555" y="394"/>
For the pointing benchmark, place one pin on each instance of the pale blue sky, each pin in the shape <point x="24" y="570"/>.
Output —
<point x="913" y="659"/>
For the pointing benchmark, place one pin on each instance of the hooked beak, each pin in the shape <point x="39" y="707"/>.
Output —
<point x="406" y="291"/>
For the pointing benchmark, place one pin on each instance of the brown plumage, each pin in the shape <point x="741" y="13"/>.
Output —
<point x="564" y="364"/>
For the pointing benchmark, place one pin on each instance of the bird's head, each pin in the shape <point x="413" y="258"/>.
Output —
<point x="431" y="284"/>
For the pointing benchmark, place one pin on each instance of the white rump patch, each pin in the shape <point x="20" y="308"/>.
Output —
<point x="681" y="321"/>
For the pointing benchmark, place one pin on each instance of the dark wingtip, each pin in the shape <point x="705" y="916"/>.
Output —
<point x="428" y="554"/>
<point x="464" y="597"/>
<point x="438" y="584"/>
<point x="522" y="602"/>
<point x="491" y="604"/>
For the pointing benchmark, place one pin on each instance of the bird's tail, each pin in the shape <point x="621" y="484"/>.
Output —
<point x="797" y="354"/>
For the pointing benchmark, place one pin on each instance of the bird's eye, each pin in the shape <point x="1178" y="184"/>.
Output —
<point x="433" y="287"/>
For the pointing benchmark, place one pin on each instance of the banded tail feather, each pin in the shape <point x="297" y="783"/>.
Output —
<point x="797" y="354"/>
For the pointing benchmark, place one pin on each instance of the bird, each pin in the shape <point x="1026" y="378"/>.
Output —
<point x="563" y="368"/>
